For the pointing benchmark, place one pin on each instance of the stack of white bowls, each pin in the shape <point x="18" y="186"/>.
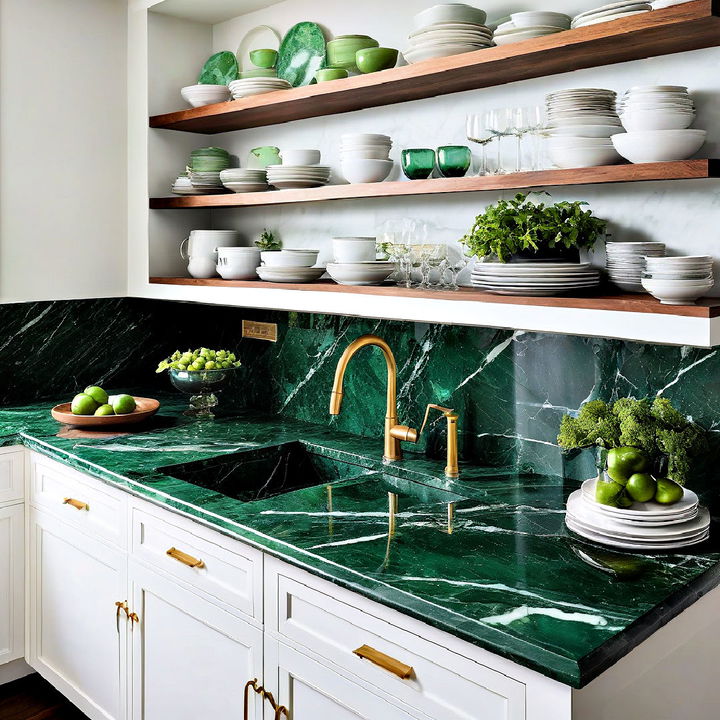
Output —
<point x="244" y="180"/>
<point x="199" y="95"/>
<point x="581" y="122"/>
<point x="530" y="24"/>
<point x="365" y="157"/>
<point x="657" y="119"/>
<point x="626" y="262"/>
<point x="182" y="185"/>
<point x="679" y="280"/>
<point x="356" y="264"/>
<point x="257" y="86"/>
<point x="290" y="266"/>
<point x="202" y="248"/>
<point x="613" y="11"/>
<point x="447" y="29"/>
<point x="238" y="263"/>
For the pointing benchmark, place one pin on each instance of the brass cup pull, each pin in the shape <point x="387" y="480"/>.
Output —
<point x="384" y="661"/>
<point x="77" y="504"/>
<point x="184" y="558"/>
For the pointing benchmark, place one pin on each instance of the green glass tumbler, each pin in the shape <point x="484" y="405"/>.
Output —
<point x="418" y="163"/>
<point x="453" y="160"/>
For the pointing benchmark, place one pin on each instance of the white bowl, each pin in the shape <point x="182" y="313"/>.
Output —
<point x="353" y="249"/>
<point x="579" y="157"/>
<point x="371" y="153"/>
<point x="659" y="145"/>
<point x="199" y="95"/>
<point x="636" y="121"/>
<point x="366" y="170"/>
<point x="289" y="258"/>
<point x="589" y="131"/>
<point x="300" y="157"/>
<point x="534" y="18"/>
<point x="676" y="292"/>
<point x="449" y="13"/>
<point x="360" y="273"/>
<point x="202" y="266"/>
<point x="238" y="263"/>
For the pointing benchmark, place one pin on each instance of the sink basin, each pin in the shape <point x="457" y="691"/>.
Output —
<point x="260" y="474"/>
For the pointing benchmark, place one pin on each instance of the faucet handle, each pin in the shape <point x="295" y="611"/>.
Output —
<point x="447" y="412"/>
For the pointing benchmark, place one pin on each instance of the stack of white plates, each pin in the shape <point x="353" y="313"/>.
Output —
<point x="286" y="177"/>
<point x="626" y="262"/>
<point x="364" y="272"/>
<point x="280" y="274"/>
<point x="256" y="86"/>
<point x="531" y="24"/>
<point x="614" y="11"/>
<point x="540" y="279"/>
<point x="678" y="280"/>
<point x="205" y="183"/>
<point x="183" y="186"/>
<point x="447" y="29"/>
<point x="660" y="4"/>
<point x="643" y="526"/>
<point x="199" y="95"/>
<point x="656" y="107"/>
<point x="244" y="180"/>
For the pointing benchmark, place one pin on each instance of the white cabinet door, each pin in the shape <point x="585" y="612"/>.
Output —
<point x="190" y="658"/>
<point x="311" y="691"/>
<point x="12" y="606"/>
<point x="74" y="583"/>
<point x="12" y="473"/>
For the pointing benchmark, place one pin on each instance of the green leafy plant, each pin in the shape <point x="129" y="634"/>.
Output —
<point x="268" y="241"/>
<point x="512" y="226"/>
<point x="655" y="427"/>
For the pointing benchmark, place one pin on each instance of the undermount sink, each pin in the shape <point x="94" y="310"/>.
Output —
<point x="260" y="474"/>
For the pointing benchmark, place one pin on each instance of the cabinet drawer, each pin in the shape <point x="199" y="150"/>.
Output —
<point x="11" y="474"/>
<point x="78" y="500"/>
<point x="439" y="682"/>
<point x="233" y="576"/>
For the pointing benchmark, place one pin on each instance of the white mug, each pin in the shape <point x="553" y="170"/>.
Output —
<point x="204" y="242"/>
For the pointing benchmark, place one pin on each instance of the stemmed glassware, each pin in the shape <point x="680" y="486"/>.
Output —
<point x="477" y="131"/>
<point x="432" y="255"/>
<point x="500" y="122"/>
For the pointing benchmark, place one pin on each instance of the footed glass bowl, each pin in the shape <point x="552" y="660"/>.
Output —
<point x="201" y="385"/>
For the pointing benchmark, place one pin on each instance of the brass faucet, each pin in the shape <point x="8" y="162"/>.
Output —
<point x="451" y="468"/>
<point x="394" y="433"/>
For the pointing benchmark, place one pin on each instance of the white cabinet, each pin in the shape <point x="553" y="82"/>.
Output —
<point x="12" y="473"/>
<point x="75" y="642"/>
<point x="11" y="582"/>
<point x="190" y="658"/>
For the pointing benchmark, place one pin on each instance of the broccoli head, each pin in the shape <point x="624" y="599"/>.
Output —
<point x="681" y="446"/>
<point x="594" y="425"/>
<point x="663" y="411"/>
<point x="571" y="434"/>
<point x="638" y="410"/>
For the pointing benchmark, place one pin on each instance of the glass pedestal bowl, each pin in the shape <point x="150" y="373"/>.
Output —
<point x="201" y="385"/>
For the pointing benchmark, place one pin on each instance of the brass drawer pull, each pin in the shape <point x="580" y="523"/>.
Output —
<point x="184" y="558"/>
<point x="384" y="661"/>
<point x="280" y="710"/>
<point x="77" y="504"/>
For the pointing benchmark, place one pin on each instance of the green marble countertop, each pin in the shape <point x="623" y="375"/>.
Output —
<point x="508" y="578"/>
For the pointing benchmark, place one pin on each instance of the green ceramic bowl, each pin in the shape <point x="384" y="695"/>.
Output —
<point x="264" y="58"/>
<point x="370" y="60"/>
<point x="331" y="74"/>
<point x="341" y="51"/>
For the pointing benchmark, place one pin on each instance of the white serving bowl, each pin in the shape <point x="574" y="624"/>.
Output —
<point x="533" y="18"/>
<point x="289" y="258"/>
<point x="238" y="263"/>
<point x="300" y="157"/>
<point x="578" y="157"/>
<point x="366" y="170"/>
<point x="353" y="249"/>
<point x="636" y="121"/>
<point x="199" y="95"/>
<point x="449" y="13"/>
<point x="677" y="292"/>
<point x="659" y="145"/>
<point x="360" y="273"/>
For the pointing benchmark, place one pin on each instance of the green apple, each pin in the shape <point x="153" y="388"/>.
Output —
<point x="625" y="461"/>
<point x="123" y="404"/>
<point x="641" y="487"/>
<point x="668" y="492"/>
<point x="105" y="410"/>
<point x="97" y="394"/>
<point x="83" y="404"/>
<point x="607" y="492"/>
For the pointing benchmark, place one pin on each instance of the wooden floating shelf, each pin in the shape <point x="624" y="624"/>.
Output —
<point x="624" y="316"/>
<point x="680" y="28"/>
<point x="682" y="170"/>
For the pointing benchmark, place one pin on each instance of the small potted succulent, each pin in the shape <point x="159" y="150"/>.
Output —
<point x="523" y="230"/>
<point x="648" y="449"/>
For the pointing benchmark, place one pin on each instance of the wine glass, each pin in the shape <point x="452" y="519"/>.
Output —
<point x="499" y="121"/>
<point x="478" y="132"/>
<point x="519" y="125"/>
<point x="536" y="123"/>
<point x="432" y="255"/>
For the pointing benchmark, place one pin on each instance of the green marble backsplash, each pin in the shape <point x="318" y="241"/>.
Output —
<point x="510" y="388"/>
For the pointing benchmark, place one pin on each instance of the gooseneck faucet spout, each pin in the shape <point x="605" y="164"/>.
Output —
<point x="394" y="433"/>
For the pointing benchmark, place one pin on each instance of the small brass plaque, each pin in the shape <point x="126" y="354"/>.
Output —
<point x="259" y="330"/>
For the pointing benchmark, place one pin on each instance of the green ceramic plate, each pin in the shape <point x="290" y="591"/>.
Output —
<point x="301" y="54"/>
<point x="220" y="69"/>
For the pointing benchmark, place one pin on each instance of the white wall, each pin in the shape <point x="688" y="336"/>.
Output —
<point x="685" y="215"/>
<point x="63" y="149"/>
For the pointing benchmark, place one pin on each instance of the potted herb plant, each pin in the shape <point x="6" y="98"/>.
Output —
<point x="523" y="230"/>
<point x="268" y="241"/>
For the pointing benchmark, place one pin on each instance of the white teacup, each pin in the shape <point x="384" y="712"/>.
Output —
<point x="354" y="249"/>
